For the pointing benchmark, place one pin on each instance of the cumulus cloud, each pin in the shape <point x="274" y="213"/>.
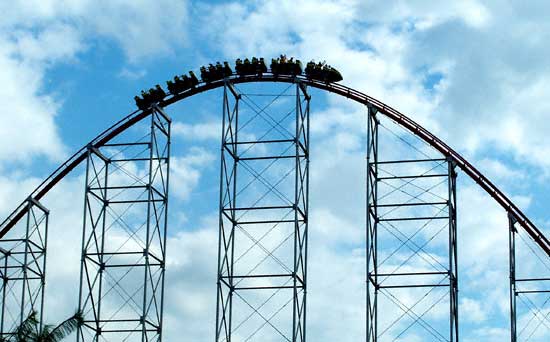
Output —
<point x="31" y="113"/>
<point x="37" y="35"/>
<point x="472" y="310"/>
<point x="493" y="96"/>
<point x="197" y="132"/>
<point x="489" y="94"/>
<point x="497" y="169"/>
<point x="185" y="171"/>
<point x="140" y="28"/>
<point x="132" y="74"/>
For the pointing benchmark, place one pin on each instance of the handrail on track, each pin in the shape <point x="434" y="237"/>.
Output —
<point x="336" y="88"/>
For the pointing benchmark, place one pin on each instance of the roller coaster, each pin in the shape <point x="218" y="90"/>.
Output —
<point x="24" y="255"/>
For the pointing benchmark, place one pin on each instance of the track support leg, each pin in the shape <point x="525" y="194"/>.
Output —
<point x="263" y="218"/>
<point x="23" y="269"/>
<point x="124" y="236"/>
<point x="412" y="224"/>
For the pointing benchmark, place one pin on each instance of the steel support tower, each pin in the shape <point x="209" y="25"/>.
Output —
<point x="529" y="287"/>
<point x="263" y="234"/>
<point x="411" y="244"/>
<point x="124" y="236"/>
<point x="23" y="269"/>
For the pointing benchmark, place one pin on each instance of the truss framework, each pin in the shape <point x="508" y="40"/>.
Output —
<point x="264" y="199"/>
<point x="23" y="269"/>
<point x="397" y="212"/>
<point x="124" y="237"/>
<point x="530" y="291"/>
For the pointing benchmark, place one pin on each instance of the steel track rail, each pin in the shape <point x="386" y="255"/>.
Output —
<point x="335" y="88"/>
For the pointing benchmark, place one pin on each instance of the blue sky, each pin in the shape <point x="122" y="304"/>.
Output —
<point x="474" y="73"/>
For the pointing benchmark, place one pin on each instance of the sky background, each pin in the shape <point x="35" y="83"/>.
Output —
<point x="474" y="73"/>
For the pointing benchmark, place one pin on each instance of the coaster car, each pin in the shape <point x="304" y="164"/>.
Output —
<point x="183" y="83"/>
<point x="322" y="72"/>
<point x="247" y="67"/>
<point x="285" y="66"/>
<point x="279" y="66"/>
<point x="215" y="72"/>
<point x="140" y="103"/>
<point x="153" y="95"/>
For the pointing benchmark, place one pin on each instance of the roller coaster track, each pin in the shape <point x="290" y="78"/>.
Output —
<point x="335" y="88"/>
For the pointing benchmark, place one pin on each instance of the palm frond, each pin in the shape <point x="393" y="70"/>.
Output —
<point x="28" y="329"/>
<point x="64" y="329"/>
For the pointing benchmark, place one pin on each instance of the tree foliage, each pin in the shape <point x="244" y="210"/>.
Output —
<point x="29" y="330"/>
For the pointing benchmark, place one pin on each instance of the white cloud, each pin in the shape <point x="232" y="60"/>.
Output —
<point x="14" y="189"/>
<point x="185" y="171"/>
<point x="132" y="74"/>
<point x="28" y="113"/>
<point x="472" y="310"/>
<point x="36" y="35"/>
<point x="490" y="95"/>
<point x="58" y="42"/>
<point x="141" y="28"/>
<point x="425" y="14"/>
<point x="191" y="281"/>
<point x="200" y="131"/>
<point x="496" y="169"/>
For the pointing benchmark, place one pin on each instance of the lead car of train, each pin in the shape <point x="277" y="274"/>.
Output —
<point x="249" y="67"/>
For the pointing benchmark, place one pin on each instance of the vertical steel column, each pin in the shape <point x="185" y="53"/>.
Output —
<point x="248" y="215"/>
<point x="372" y="222"/>
<point x="93" y="243"/>
<point x="301" y="211"/>
<point x="4" y="260"/>
<point x="512" y="259"/>
<point x="227" y="216"/>
<point x="124" y="236"/>
<point x="24" y="263"/>
<point x="453" y="253"/>
<point x="157" y="224"/>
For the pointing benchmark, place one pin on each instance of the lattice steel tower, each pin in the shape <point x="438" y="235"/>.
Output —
<point x="411" y="241"/>
<point x="124" y="236"/>
<point x="23" y="268"/>
<point x="262" y="265"/>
